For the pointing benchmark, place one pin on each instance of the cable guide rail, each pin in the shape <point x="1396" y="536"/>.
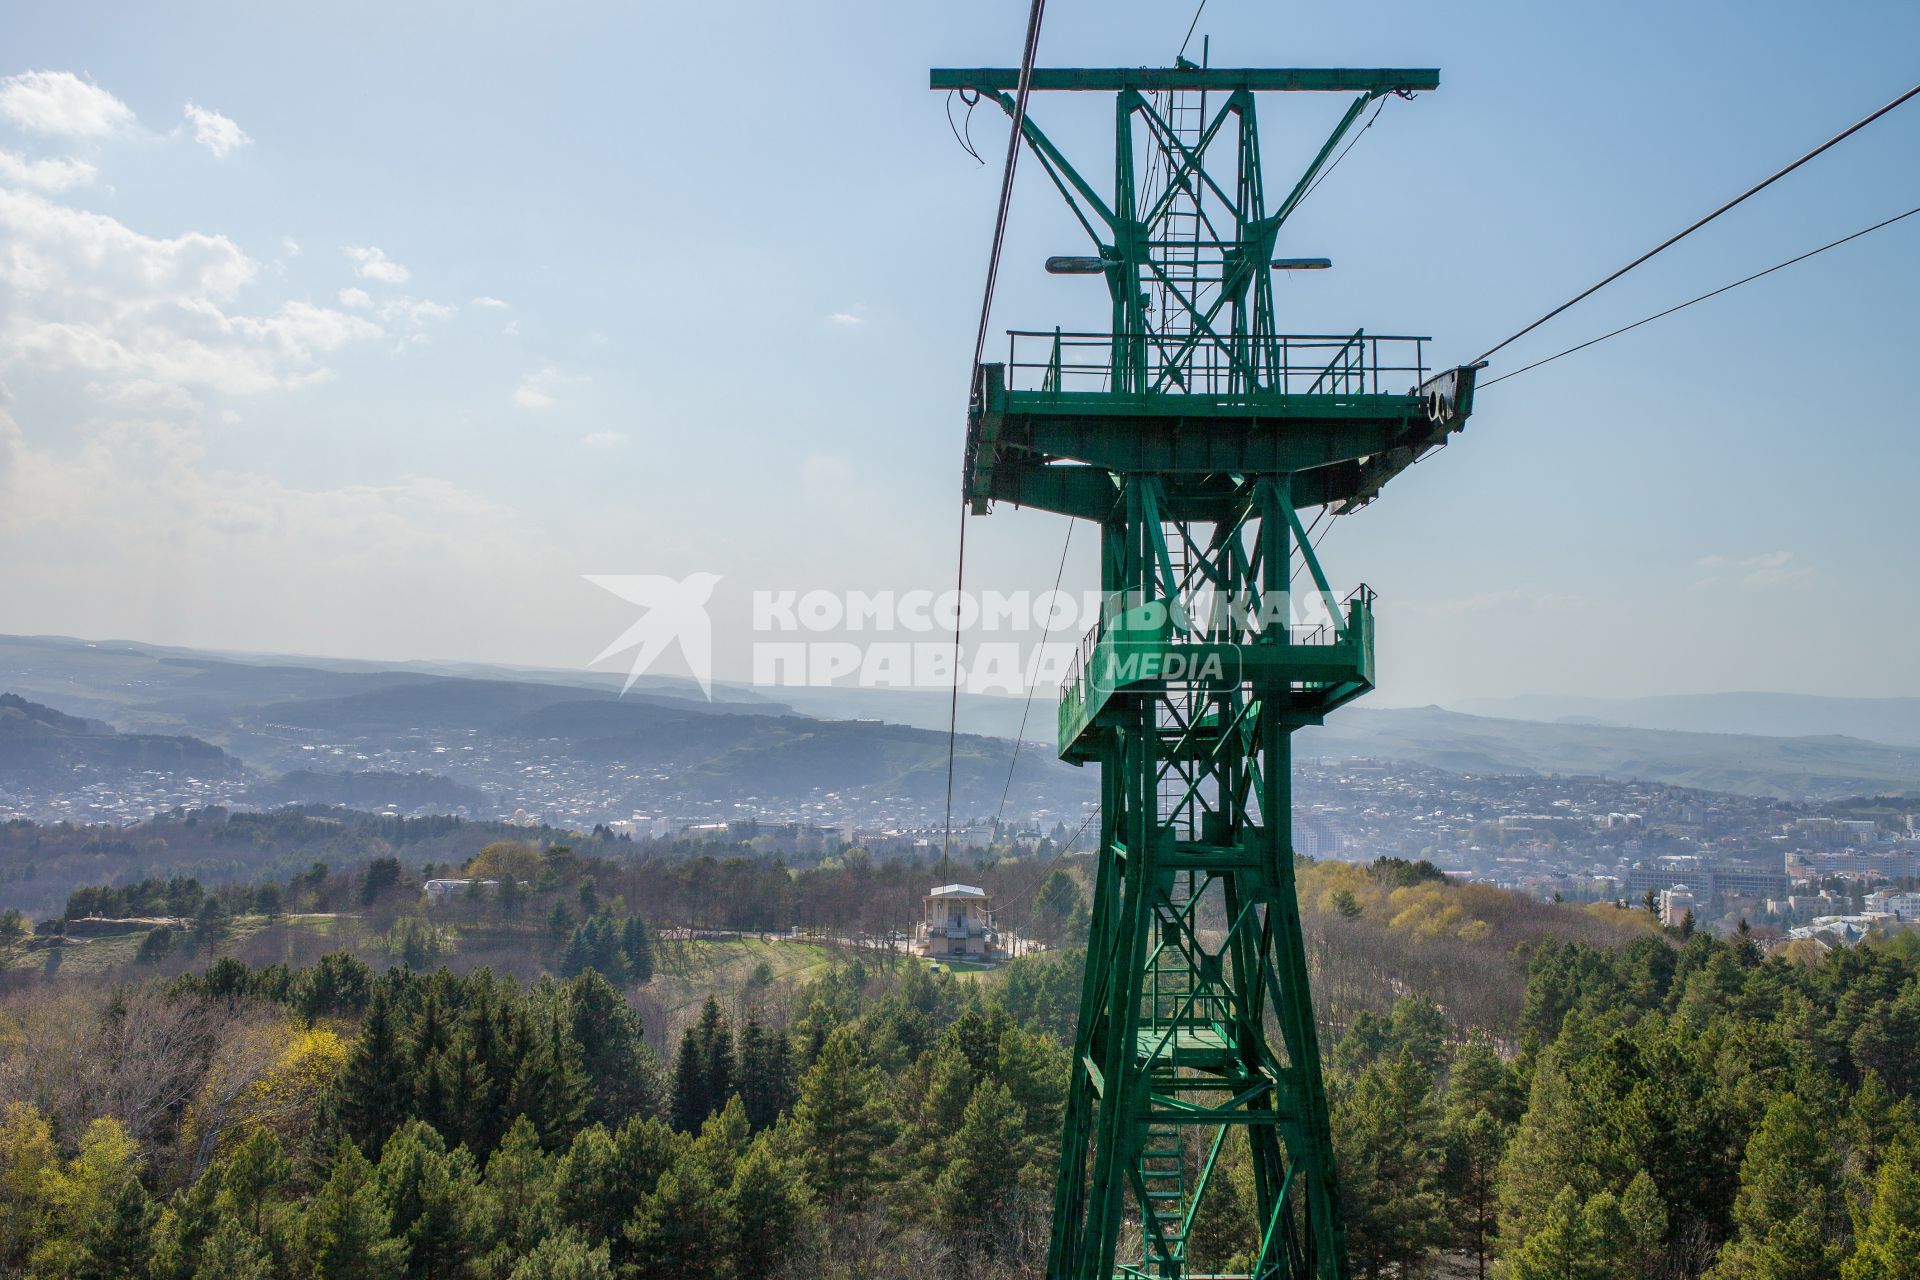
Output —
<point x="1242" y="366"/>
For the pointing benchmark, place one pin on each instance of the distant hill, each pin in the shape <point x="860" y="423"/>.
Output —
<point x="373" y="790"/>
<point x="159" y="687"/>
<point x="263" y="710"/>
<point x="1778" y="715"/>
<point x="744" y="743"/>
<point x="1744" y="764"/>
<point x="38" y="742"/>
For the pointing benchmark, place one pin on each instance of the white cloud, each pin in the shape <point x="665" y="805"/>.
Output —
<point x="603" y="439"/>
<point x="491" y="303"/>
<point x="89" y="294"/>
<point x="847" y="319"/>
<point x="375" y="265"/>
<point x="62" y="104"/>
<point x="356" y="298"/>
<point x="410" y="317"/>
<point x="291" y="246"/>
<point x="415" y="312"/>
<point x="536" y="390"/>
<point x="1768" y="569"/>
<point x="128" y="525"/>
<point x="215" y="132"/>
<point x="532" y="392"/>
<point x="46" y="175"/>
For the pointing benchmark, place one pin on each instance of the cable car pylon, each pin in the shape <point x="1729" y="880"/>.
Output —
<point x="1193" y="433"/>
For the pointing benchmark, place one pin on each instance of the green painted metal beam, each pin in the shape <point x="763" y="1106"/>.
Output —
<point x="1213" y="79"/>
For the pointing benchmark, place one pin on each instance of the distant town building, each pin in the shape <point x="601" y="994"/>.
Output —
<point x="441" y="890"/>
<point x="641" y="826"/>
<point x="1676" y="904"/>
<point x="1895" y="862"/>
<point x="1711" y="883"/>
<point x="1903" y="907"/>
<point x="957" y="920"/>
<point x="1843" y="931"/>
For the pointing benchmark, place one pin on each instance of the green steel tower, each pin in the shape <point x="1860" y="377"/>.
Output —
<point x="1194" y="433"/>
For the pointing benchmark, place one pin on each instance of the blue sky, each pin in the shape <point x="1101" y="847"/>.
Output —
<point x="661" y="289"/>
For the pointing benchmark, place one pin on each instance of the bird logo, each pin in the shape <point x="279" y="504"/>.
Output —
<point x="676" y="612"/>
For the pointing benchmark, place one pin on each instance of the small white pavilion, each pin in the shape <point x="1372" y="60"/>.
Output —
<point x="957" y="921"/>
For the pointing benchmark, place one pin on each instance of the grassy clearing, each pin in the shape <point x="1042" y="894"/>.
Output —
<point x="687" y="971"/>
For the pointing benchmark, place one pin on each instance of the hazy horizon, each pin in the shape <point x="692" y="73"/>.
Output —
<point x="321" y="343"/>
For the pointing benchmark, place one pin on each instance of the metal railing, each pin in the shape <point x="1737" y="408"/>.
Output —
<point x="1358" y="363"/>
<point x="1302" y="634"/>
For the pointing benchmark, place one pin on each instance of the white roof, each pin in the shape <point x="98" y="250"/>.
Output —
<point x="958" y="891"/>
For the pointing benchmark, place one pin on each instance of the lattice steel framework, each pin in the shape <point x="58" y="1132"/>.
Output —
<point x="1194" y="433"/>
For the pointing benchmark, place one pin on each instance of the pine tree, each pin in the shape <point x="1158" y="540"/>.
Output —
<point x="722" y="1142"/>
<point x="690" y="1101"/>
<point x="671" y="1235"/>
<point x="1477" y="1080"/>
<point x="779" y="1086"/>
<point x="602" y="1179"/>
<point x="950" y="1083"/>
<point x="375" y="1092"/>
<point x="1632" y="1229"/>
<point x="116" y="1245"/>
<point x="1418" y="1027"/>
<point x="716" y="1052"/>
<point x="982" y="1162"/>
<point x="564" y="1255"/>
<point x="637" y="942"/>
<point x="619" y="1066"/>
<point x="1387" y="1140"/>
<point x="765" y="1074"/>
<point x="516" y="1198"/>
<point x="256" y="1171"/>
<point x="464" y="1093"/>
<point x="232" y="1252"/>
<point x="181" y="1233"/>
<point x="1563" y="1248"/>
<point x="1789" y="1193"/>
<point x="608" y="958"/>
<point x="1034" y="1069"/>
<point x="772" y="1208"/>
<point x="1568" y="1135"/>
<point x="433" y="1199"/>
<point x="348" y="1234"/>
<point x="577" y="955"/>
<point x="1474" y="1144"/>
<point x="489" y="1117"/>
<point x="841" y="1120"/>
<point x="558" y="1087"/>
<point x="1887" y="1239"/>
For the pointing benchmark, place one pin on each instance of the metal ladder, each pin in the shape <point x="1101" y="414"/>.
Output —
<point x="1163" y="1165"/>
<point x="1163" y="1172"/>
<point x="1176" y="235"/>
